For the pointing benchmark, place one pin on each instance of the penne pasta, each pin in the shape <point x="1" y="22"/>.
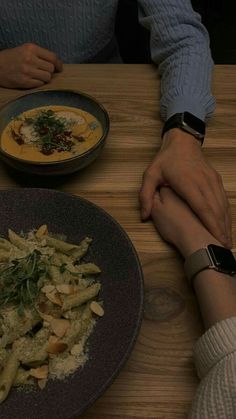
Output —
<point x="8" y="375"/>
<point x="85" y="268"/>
<point x="45" y="311"/>
<point x="32" y="351"/>
<point x="22" y="377"/>
<point x="17" y="240"/>
<point x="82" y="249"/>
<point x="55" y="274"/>
<point x="15" y="326"/>
<point x="80" y="297"/>
<point x="4" y="255"/>
<point x="5" y="244"/>
<point x="60" y="245"/>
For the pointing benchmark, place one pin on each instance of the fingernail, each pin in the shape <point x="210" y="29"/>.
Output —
<point x="143" y="215"/>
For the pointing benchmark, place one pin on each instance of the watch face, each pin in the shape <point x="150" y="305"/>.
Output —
<point x="195" y="123"/>
<point x="223" y="259"/>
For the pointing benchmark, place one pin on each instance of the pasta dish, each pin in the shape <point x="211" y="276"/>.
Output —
<point x="48" y="307"/>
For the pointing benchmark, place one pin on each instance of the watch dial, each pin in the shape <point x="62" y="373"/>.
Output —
<point x="194" y="122"/>
<point x="223" y="258"/>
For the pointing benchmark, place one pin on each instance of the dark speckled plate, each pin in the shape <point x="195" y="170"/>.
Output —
<point x="122" y="292"/>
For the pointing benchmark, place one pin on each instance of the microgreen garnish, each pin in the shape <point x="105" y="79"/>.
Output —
<point x="53" y="132"/>
<point x="19" y="281"/>
<point x="62" y="268"/>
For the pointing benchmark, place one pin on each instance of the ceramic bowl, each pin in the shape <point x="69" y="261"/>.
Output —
<point x="47" y="98"/>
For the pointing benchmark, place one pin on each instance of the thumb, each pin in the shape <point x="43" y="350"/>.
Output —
<point x="148" y="188"/>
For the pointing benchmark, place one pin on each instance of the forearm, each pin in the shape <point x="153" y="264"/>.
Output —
<point x="180" y="46"/>
<point x="215" y="351"/>
<point x="216" y="294"/>
<point x="215" y="291"/>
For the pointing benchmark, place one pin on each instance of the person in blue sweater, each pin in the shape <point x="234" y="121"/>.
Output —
<point x="37" y="37"/>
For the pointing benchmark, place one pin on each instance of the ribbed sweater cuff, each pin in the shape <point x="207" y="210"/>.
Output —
<point x="186" y="104"/>
<point x="214" y="345"/>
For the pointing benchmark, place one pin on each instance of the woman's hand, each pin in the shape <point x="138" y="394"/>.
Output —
<point x="27" y="66"/>
<point x="181" y="164"/>
<point x="177" y="223"/>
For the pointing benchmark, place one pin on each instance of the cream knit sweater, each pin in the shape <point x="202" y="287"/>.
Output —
<point x="215" y="359"/>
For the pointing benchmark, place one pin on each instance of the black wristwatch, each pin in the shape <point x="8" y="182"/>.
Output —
<point x="187" y="122"/>
<point x="211" y="257"/>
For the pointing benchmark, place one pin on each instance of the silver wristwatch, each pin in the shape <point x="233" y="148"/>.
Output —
<point x="211" y="257"/>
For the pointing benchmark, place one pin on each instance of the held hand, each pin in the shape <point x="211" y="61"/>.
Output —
<point x="27" y="66"/>
<point x="181" y="164"/>
<point x="177" y="223"/>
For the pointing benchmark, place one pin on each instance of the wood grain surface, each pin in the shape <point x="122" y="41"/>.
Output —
<point x="159" y="379"/>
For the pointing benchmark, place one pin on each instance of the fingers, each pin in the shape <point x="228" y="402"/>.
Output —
<point x="32" y="83"/>
<point x="151" y="181"/>
<point x="41" y="75"/>
<point x="44" y="65"/>
<point x="206" y="198"/>
<point x="40" y="66"/>
<point x="49" y="56"/>
<point x="167" y="194"/>
<point x="156" y="209"/>
<point x="163" y="198"/>
<point x="217" y="199"/>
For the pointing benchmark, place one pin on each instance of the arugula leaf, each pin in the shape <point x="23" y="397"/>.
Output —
<point x="52" y="132"/>
<point x="19" y="281"/>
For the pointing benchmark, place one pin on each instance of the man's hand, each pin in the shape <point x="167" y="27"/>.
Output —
<point x="180" y="164"/>
<point x="27" y="66"/>
<point x="177" y="223"/>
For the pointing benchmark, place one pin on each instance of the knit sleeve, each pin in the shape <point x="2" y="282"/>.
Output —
<point x="215" y="359"/>
<point x="180" y="47"/>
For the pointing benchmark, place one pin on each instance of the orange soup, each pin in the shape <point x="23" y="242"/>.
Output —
<point x="51" y="133"/>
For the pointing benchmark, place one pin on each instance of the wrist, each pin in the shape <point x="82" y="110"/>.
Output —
<point x="195" y="241"/>
<point x="179" y="137"/>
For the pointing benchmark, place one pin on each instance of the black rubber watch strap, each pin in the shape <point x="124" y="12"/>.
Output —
<point x="188" y="123"/>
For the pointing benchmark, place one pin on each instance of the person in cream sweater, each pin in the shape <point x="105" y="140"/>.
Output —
<point x="215" y="351"/>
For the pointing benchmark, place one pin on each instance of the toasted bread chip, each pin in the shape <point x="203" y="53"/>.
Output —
<point x="97" y="308"/>
<point x="42" y="231"/>
<point x="48" y="288"/>
<point x="46" y="317"/>
<point x="65" y="289"/>
<point x="42" y="383"/>
<point x="41" y="372"/>
<point x="54" y="297"/>
<point x="16" y="126"/>
<point x="56" y="348"/>
<point x="52" y="339"/>
<point x="60" y="327"/>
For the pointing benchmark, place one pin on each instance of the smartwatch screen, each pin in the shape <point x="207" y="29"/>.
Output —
<point x="223" y="259"/>
<point x="194" y="122"/>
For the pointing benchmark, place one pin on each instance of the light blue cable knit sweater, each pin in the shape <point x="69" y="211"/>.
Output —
<point x="82" y="31"/>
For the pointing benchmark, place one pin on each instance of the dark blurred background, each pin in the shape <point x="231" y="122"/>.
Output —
<point x="219" y="17"/>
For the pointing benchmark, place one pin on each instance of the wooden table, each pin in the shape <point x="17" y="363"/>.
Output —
<point x="159" y="379"/>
